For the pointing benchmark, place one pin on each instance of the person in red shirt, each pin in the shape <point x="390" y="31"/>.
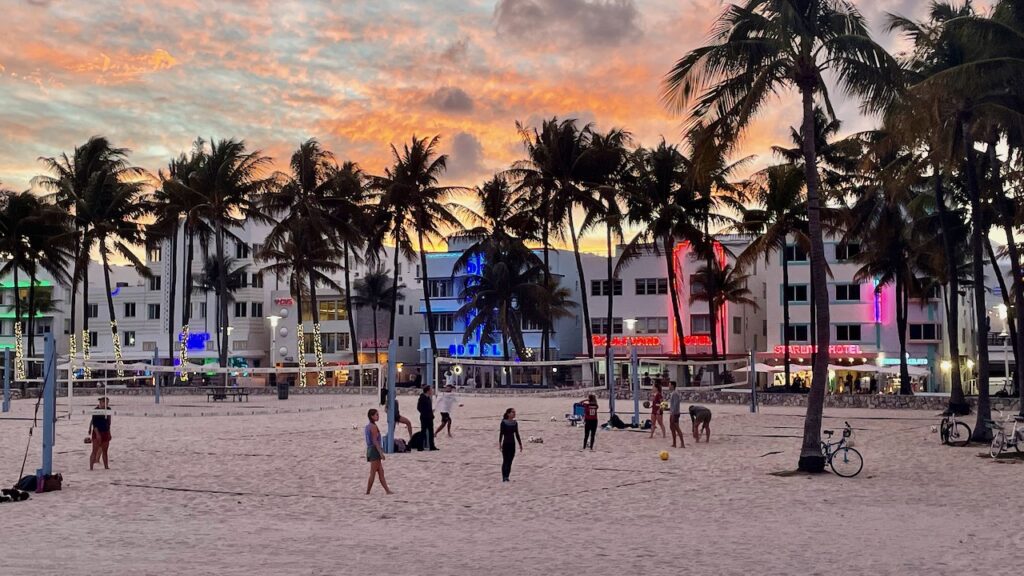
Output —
<point x="589" y="420"/>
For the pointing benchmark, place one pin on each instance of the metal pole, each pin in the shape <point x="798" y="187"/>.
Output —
<point x="1006" y="362"/>
<point x="634" y="376"/>
<point x="7" y="380"/>
<point x="157" y="375"/>
<point x="431" y="381"/>
<point x="609" y="363"/>
<point x="49" y="404"/>
<point x="392" y="374"/>
<point x="752" y="375"/>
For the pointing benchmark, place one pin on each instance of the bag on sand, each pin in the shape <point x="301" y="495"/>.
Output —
<point x="417" y="442"/>
<point x="52" y="482"/>
<point x="400" y="445"/>
<point x="27" y="483"/>
<point x="616" y="422"/>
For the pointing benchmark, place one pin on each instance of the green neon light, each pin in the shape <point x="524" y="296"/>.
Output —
<point x="26" y="283"/>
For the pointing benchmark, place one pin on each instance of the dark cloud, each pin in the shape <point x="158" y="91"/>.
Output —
<point x="465" y="159"/>
<point x="450" y="99"/>
<point x="589" y="22"/>
<point x="456" y="51"/>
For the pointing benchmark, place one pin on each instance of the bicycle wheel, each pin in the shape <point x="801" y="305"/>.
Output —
<point x="846" y="462"/>
<point x="959" y="434"/>
<point x="996" y="448"/>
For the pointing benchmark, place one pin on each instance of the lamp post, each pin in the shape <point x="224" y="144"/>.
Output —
<point x="273" y="338"/>
<point x="634" y="368"/>
<point x="1004" y="335"/>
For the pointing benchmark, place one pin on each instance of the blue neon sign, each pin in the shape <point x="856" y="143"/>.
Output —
<point x="196" y="340"/>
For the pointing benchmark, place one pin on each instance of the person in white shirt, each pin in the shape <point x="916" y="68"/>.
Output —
<point x="445" y="404"/>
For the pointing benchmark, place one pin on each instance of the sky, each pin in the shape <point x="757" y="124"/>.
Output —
<point x="358" y="75"/>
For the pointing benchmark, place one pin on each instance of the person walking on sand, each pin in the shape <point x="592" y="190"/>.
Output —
<point x="374" y="451"/>
<point x="657" y="418"/>
<point x="99" y="434"/>
<point x="589" y="421"/>
<point x="701" y="418"/>
<point x="675" y="397"/>
<point x="425" y="406"/>
<point x="508" y="436"/>
<point x="446" y="404"/>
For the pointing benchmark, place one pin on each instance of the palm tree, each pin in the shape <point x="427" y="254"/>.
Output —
<point x="229" y="180"/>
<point x="413" y="205"/>
<point x="372" y="291"/>
<point x="758" y="50"/>
<point x="732" y="288"/>
<point x="666" y="210"/>
<point x="223" y="286"/>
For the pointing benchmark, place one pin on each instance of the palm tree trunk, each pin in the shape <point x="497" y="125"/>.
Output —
<point x="545" y="231"/>
<point x="376" y="342"/>
<point x="172" y="292"/>
<point x="73" y="336"/>
<point x="426" y="298"/>
<point x="222" y="303"/>
<point x="901" y="328"/>
<point x="394" y="296"/>
<point x="712" y="310"/>
<point x="673" y="290"/>
<point x="1011" y="324"/>
<point x="19" y="362"/>
<point x="314" y="305"/>
<point x="31" y="322"/>
<point x="583" y="283"/>
<point x="956" y="395"/>
<point x="115" y="343"/>
<point x="811" y="458"/>
<point x="349" y="312"/>
<point x="609" y="334"/>
<point x="979" y="229"/>
<point x="785" y="316"/>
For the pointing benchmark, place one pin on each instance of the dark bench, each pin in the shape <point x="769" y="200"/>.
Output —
<point x="215" y="393"/>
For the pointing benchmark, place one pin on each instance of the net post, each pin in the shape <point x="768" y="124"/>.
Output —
<point x="49" y="404"/>
<point x="392" y="374"/>
<point x="156" y="375"/>
<point x="71" y="388"/>
<point x="7" y="380"/>
<point x="752" y="375"/>
<point x="634" y="377"/>
<point x="609" y="363"/>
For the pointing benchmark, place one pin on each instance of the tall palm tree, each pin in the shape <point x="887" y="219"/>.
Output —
<point x="413" y="205"/>
<point x="373" y="291"/>
<point x="351" y="215"/>
<point x="229" y="181"/>
<point x="732" y="289"/>
<point x="759" y="49"/>
<point x="659" y="201"/>
<point x="223" y="279"/>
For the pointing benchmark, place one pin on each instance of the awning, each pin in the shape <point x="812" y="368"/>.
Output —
<point x="912" y="370"/>
<point x="760" y="367"/>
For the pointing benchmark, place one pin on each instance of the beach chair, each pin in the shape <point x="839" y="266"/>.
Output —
<point x="576" y="416"/>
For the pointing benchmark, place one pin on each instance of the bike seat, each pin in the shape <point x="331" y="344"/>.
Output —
<point x="1019" y="418"/>
<point x="827" y="432"/>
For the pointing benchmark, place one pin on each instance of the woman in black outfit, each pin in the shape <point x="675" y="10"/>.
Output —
<point x="507" y="438"/>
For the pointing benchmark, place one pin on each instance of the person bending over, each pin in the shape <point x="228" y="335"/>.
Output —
<point x="701" y="419"/>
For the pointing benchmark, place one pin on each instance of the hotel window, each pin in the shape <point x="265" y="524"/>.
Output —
<point x="934" y="292"/>
<point x="846" y="252"/>
<point x="924" y="332"/>
<point x="848" y="333"/>
<point x="799" y="332"/>
<point x="651" y="286"/>
<point x="797" y="293"/>
<point x="94" y="339"/>
<point x="155" y="254"/>
<point x="795" y="253"/>
<point x="202" y="309"/>
<point x="153" y="312"/>
<point x="94" y="310"/>
<point x="257" y="280"/>
<point x="440" y="288"/>
<point x="401" y="340"/>
<point x="240" y="309"/>
<point x="398" y="269"/>
<point x="696" y="286"/>
<point x="256" y="249"/>
<point x="241" y="250"/>
<point x="257" y="309"/>
<point x="600" y="325"/>
<point x="443" y="322"/>
<point x="600" y="287"/>
<point x="154" y="283"/>
<point x="700" y="324"/>
<point x="129" y="309"/>
<point x="737" y="324"/>
<point x="652" y="325"/>
<point x="128" y="338"/>
<point x="530" y="324"/>
<point x="401" y="309"/>
<point x="847" y="292"/>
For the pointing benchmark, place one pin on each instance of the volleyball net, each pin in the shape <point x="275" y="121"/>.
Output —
<point x="539" y="376"/>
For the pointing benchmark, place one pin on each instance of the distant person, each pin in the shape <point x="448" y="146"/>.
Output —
<point x="446" y="405"/>
<point x="657" y="417"/>
<point x="374" y="451"/>
<point x="848" y="387"/>
<point x="99" y="434"/>
<point x="873" y="388"/>
<point x="425" y="406"/>
<point x="399" y="419"/>
<point x="417" y="381"/>
<point x="508" y="436"/>
<point x="675" y="398"/>
<point x="647" y="380"/>
<point x="701" y="419"/>
<point x="589" y="420"/>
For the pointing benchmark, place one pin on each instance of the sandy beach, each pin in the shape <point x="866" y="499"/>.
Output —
<point x="282" y="493"/>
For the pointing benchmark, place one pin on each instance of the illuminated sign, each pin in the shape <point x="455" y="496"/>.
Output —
<point x="371" y="343"/>
<point x="697" y="340"/>
<point x="806" y="349"/>
<point x="910" y="361"/>
<point x="473" y="349"/>
<point x="196" y="340"/>
<point x="645" y="341"/>
<point x="284" y="301"/>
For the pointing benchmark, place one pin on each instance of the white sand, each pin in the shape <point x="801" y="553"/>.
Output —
<point x="283" y="494"/>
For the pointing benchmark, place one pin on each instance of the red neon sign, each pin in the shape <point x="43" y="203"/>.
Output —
<point x="807" y="349"/>
<point x="643" y="341"/>
<point x="697" y="340"/>
<point x="284" y="301"/>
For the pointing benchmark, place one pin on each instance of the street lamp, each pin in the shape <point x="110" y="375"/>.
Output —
<point x="1004" y="335"/>
<point x="274" y="319"/>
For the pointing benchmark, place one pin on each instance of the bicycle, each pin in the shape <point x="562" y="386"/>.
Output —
<point x="952" y="431"/>
<point x="1001" y="441"/>
<point x="844" y="460"/>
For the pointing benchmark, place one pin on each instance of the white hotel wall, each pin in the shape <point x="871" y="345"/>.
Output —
<point x="879" y="340"/>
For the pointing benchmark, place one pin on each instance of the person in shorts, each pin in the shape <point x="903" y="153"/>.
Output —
<point x="446" y="404"/>
<point x="701" y="419"/>
<point x="99" y="434"/>
<point x="374" y="451"/>
<point x="675" y="397"/>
